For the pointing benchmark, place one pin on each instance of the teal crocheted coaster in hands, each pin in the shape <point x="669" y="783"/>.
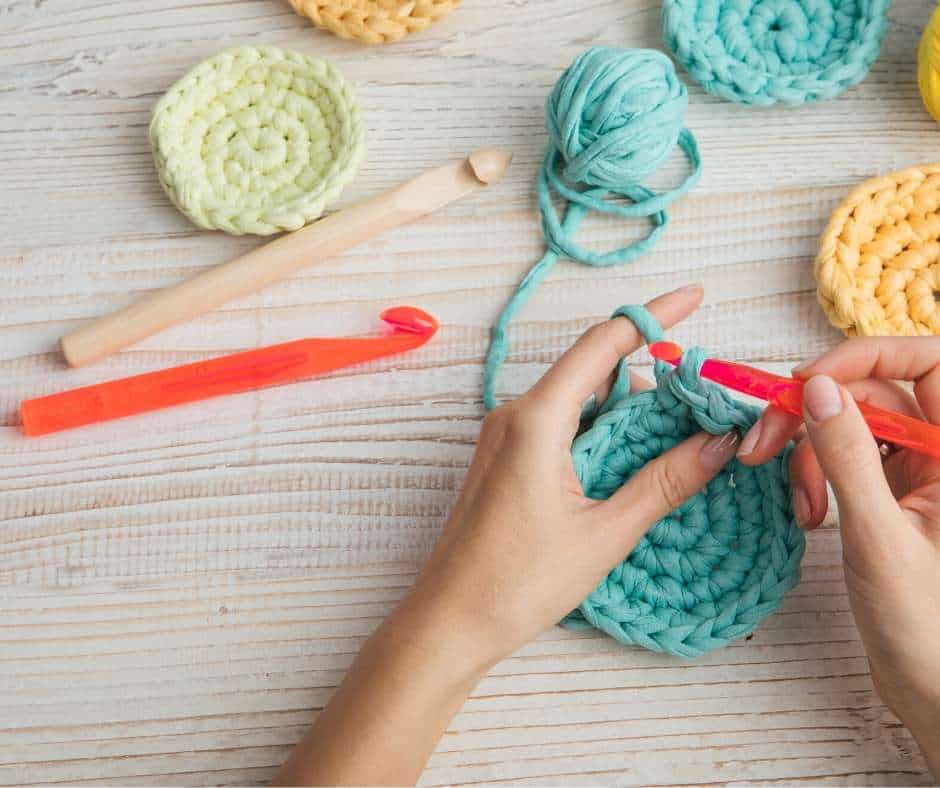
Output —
<point x="715" y="567"/>
<point x="768" y="51"/>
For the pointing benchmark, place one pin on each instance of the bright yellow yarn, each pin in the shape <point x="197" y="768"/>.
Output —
<point x="373" y="21"/>
<point x="878" y="266"/>
<point x="928" y="65"/>
<point x="256" y="140"/>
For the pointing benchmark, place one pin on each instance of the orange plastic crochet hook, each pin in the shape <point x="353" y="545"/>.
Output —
<point x="787" y="395"/>
<point x="224" y="375"/>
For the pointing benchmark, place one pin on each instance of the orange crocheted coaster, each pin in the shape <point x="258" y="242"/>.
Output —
<point x="878" y="266"/>
<point x="373" y="21"/>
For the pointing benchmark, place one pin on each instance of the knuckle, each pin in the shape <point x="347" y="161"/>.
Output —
<point x="525" y="417"/>
<point x="668" y="481"/>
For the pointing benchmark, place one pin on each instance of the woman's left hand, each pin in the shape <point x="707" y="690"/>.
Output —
<point x="524" y="546"/>
<point x="521" y="549"/>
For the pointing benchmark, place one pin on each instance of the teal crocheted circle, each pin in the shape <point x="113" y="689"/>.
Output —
<point x="711" y="570"/>
<point x="768" y="51"/>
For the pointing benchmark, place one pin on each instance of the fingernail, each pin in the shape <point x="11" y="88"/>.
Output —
<point x="694" y="286"/>
<point x="718" y="450"/>
<point x="750" y="439"/>
<point x="822" y="398"/>
<point x="801" y="507"/>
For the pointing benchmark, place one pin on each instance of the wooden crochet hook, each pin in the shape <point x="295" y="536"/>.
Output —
<point x="275" y="260"/>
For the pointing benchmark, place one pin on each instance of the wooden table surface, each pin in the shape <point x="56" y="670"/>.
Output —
<point x="180" y="592"/>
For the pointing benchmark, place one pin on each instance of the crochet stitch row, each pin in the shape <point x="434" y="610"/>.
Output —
<point x="768" y="51"/>
<point x="878" y="266"/>
<point x="256" y="140"/>
<point x="374" y="21"/>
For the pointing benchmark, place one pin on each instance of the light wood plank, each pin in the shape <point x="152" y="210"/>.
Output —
<point x="180" y="593"/>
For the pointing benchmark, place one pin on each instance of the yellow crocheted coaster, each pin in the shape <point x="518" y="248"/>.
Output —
<point x="878" y="266"/>
<point x="373" y="21"/>
<point x="256" y="140"/>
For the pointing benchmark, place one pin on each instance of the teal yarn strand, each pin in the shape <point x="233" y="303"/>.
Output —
<point x="766" y="51"/>
<point x="711" y="570"/>
<point x="613" y="118"/>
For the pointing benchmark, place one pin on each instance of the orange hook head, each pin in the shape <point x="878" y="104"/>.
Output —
<point x="410" y="320"/>
<point x="669" y="352"/>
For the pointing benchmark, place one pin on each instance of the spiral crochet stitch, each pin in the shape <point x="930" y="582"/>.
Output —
<point x="256" y="140"/>
<point x="373" y="21"/>
<point x="768" y="51"/>
<point x="928" y="65"/>
<point x="613" y="117"/>
<point x="711" y="570"/>
<point x="878" y="266"/>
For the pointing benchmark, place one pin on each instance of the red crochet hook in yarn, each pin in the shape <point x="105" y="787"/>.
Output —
<point x="787" y="395"/>
<point x="252" y="369"/>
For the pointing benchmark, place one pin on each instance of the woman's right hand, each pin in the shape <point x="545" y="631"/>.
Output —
<point x="889" y="510"/>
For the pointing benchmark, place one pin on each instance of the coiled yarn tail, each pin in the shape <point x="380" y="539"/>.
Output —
<point x="711" y="570"/>
<point x="768" y="51"/>
<point x="613" y="117"/>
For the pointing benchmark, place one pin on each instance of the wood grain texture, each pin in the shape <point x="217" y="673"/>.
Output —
<point x="179" y="593"/>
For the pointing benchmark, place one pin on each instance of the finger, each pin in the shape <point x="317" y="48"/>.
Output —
<point x="775" y="428"/>
<point x="637" y="383"/>
<point x="767" y="437"/>
<point x="662" y="485"/>
<point x="885" y="394"/>
<point x="888" y="358"/>
<point x="849" y="457"/>
<point x="808" y="487"/>
<point x="588" y="363"/>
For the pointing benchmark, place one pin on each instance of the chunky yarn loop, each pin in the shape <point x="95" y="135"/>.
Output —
<point x="768" y="51"/>
<point x="928" y="65"/>
<point x="373" y="21"/>
<point x="613" y="117"/>
<point x="878" y="266"/>
<point x="256" y="140"/>
<point x="711" y="570"/>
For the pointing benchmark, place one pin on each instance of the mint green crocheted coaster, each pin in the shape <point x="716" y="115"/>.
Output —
<point x="256" y="140"/>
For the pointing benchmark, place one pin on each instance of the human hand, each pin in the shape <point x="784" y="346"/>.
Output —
<point x="889" y="512"/>
<point x="524" y="546"/>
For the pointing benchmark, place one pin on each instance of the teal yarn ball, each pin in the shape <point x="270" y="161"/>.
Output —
<point x="767" y="51"/>
<point x="612" y="118"/>
<point x="711" y="570"/>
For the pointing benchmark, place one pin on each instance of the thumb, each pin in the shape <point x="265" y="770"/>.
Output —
<point x="663" y="484"/>
<point x="849" y="457"/>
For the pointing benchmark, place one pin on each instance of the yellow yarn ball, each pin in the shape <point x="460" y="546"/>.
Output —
<point x="928" y="65"/>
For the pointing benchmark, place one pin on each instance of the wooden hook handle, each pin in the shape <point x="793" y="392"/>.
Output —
<point x="275" y="260"/>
